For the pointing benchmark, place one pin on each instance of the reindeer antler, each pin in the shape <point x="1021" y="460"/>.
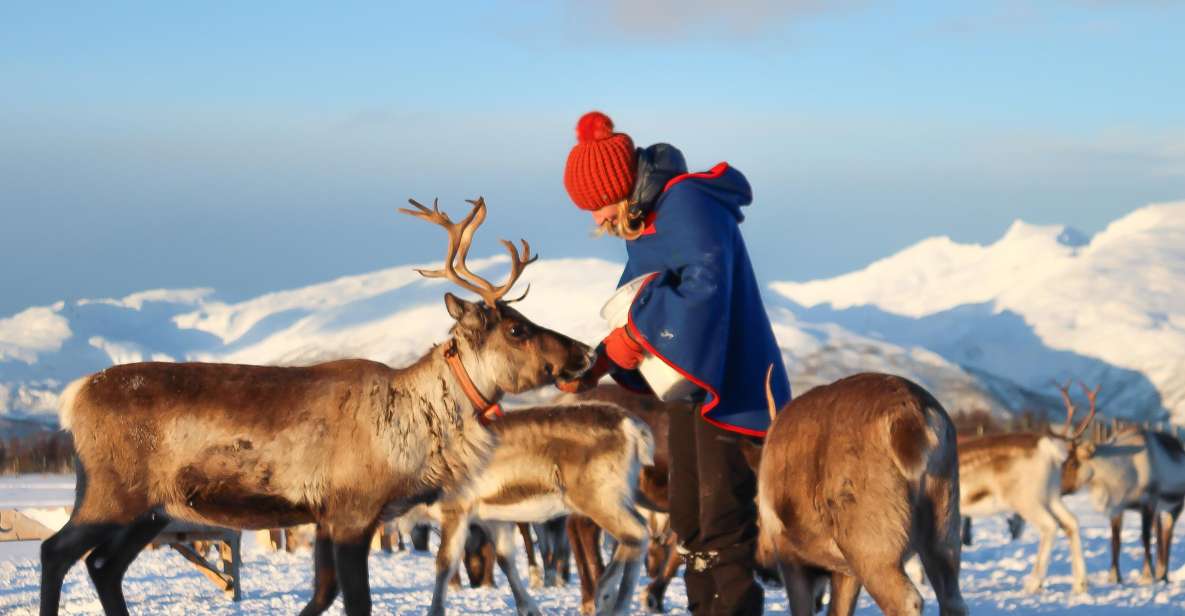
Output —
<point x="460" y="236"/>
<point x="1071" y="409"/>
<point x="1065" y="389"/>
<point x="1091" y="395"/>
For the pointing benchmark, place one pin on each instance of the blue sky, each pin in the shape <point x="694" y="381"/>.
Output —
<point x="263" y="146"/>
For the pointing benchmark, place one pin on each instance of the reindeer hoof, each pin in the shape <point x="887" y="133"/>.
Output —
<point x="1032" y="586"/>
<point x="1146" y="579"/>
<point x="1113" y="577"/>
<point x="588" y="608"/>
<point x="653" y="603"/>
<point x="530" y="610"/>
<point x="1081" y="587"/>
<point x="536" y="579"/>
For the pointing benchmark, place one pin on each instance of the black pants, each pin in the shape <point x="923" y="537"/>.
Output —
<point x="714" y="514"/>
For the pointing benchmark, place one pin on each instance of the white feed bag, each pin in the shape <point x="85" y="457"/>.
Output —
<point x="667" y="384"/>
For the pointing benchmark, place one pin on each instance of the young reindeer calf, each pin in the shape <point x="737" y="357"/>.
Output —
<point x="1021" y="473"/>
<point x="551" y="461"/>
<point x="342" y="444"/>
<point x="855" y="477"/>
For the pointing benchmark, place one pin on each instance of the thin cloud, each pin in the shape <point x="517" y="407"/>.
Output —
<point x="678" y="19"/>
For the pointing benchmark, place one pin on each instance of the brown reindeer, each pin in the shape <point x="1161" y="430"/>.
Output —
<point x="343" y="444"/>
<point x="855" y="477"/>
<point x="1021" y="473"/>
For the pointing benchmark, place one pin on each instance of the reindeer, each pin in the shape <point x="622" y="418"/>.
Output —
<point x="854" y="477"/>
<point x="662" y="558"/>
<point x="1021" y="473"/>
<point x="1136" y="469"/>
<point x="551" y="461"/>
<point x="343" y="444"/>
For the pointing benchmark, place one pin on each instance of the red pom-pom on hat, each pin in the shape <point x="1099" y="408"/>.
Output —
<point x="600" y="167"/>
<point x="593" y="126"/>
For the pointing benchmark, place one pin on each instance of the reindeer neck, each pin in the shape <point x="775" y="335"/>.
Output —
<point x="467" y="377"/>
<point x="434" y="374"/>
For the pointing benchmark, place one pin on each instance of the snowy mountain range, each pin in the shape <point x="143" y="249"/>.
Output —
<point x="1042" y="303"/>
<point x="983" y="327"/>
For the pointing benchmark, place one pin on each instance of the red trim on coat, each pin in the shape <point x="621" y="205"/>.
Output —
<point x="687" y="375"/>
<point x="710" y="174"/>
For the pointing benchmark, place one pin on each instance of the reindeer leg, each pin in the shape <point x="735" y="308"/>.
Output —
<point x="584" y="535"/>
<point x="1165" y="520"/>
<point x="504" y="547"/>
<point x="1016" y="526"/>
<point x="1069" y="524"/>
<point x="615" y="589"/>
<point x="536" y="580"/>
<point x="419" y="537"/>
<point x="563" y="552"/>
<point x="454" y="528"/>
<point x="1116" y="545"/>
<point x="108" y="562"/>
<point x="800" y="591"/>
<point x="551" y="536"/>
<point x="660" y="580"/>
<point x="1174" y="514"/>
<point x="845" y="590"/>
<point x="1043" y="520"/>
<point x="350" y="552"/>
<point x="1146" y="543"/>
<point x="61" y="551"/>
<point x="891" y="589"/>
<point x="940" y="551"/>
<point x="324" y="575"/>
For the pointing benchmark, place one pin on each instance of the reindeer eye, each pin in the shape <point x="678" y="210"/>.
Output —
<point x="517" y="330"/>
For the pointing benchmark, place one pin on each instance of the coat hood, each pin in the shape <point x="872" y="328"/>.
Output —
<point x="722" y="183"/>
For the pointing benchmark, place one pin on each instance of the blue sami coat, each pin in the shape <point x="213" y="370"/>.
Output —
<point x="702" y="312"/>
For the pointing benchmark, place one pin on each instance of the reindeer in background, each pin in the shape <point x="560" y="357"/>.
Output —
<point x="1136" y="469"/>
<point x="343" y="444"/>
<point x="1021" y="473"/>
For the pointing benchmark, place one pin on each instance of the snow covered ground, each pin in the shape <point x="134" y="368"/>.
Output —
<point x="161" y="582"/>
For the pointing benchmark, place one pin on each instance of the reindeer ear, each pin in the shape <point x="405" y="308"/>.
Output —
<point x="467" y="314"/>
<point x="1086" y="450"/>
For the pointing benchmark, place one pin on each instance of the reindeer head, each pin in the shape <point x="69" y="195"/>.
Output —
<point x="516" y="354"/>
<point x="1076" y="469"/>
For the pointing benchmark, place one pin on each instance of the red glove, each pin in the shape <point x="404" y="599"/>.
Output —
<point x="623" y="349"/>
<point x="588" y="380"/>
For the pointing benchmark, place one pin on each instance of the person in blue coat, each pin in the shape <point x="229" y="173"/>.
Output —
<point x="698" y="308"/>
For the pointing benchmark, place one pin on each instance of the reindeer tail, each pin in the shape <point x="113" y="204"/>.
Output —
<point x="913" y="439"/>
<point x="769" y="395"/>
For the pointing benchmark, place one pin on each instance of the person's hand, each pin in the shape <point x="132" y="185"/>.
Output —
<point x="588" y="380"/>
<point x="623" y="349"/>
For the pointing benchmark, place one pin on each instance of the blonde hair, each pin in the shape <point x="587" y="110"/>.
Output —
<point x="626" y="225"/>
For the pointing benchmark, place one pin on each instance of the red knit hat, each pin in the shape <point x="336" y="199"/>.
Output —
<point x="600" y="167"/>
